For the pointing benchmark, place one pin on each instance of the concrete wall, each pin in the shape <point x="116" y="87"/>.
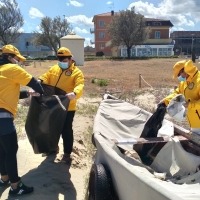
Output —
<point x="76" y="46"/>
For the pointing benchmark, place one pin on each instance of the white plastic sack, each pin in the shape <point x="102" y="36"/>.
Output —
<point x="175" y="109"/>
<point x="167" y="129"/>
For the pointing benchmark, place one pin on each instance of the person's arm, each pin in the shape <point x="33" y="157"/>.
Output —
<point x="23" y="94"/>
<point x="36" y="86"/>
<point x="178" y="90"/>
<point x="79" y="85"/>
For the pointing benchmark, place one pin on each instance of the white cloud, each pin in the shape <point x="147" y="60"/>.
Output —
<point x="87" y="42"/>
<point x="78" y="30"/>
<point x="75" y="3"/>
<point x="68" y="4"/>
<point x="109" y="2"/>
<point x="21" y="30"/>
<point x="34" y="13"/>
<point x="180" y="13"/>
<point x="81" y="20"/>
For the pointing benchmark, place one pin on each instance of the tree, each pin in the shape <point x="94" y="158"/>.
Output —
<point x="11" y="21"/>
<point x="128" y="28"/>
<point x="50" y="32"/>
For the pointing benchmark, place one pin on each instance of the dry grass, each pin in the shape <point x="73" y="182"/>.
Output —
<point x="122" y="75"/>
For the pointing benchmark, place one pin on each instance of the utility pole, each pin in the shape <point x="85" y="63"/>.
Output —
<point x="192" y="43"/>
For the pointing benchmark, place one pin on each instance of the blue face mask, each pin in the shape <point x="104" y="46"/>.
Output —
<point x="180" y="78"/>
<point x="63" y="65"/>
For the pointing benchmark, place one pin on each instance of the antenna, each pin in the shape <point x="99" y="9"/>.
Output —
<point x="111" y="6"/>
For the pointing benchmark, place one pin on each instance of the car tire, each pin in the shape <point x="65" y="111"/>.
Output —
<point x="99" y="186"/>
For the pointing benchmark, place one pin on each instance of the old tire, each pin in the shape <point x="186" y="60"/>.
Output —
<point x="99" y="187"/>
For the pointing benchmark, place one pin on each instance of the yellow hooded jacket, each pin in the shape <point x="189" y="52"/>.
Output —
<point x="11" y="77"/>
<point x="191" y="90"/>
<point x="69" y="80"/>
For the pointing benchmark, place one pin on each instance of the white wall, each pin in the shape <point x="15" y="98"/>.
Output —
<point x="76" y="46"/>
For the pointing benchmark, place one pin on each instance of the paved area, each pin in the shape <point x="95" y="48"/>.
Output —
<point x="52" y="181"/>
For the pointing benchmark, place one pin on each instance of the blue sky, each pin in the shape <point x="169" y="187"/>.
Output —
<point x="183" y="14"/>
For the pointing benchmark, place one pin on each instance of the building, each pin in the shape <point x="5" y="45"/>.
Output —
<point x="27" y="48"/>
<point x="76" y="45"/>
<point x="89" y="51"/>
<point x="185" y="42"/>
<point x="158" y="44"/>
<point x="101" y="35"/>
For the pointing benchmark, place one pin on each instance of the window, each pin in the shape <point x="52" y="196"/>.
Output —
<point x="102" y="35"/>
<point x="101" y="23"/>
<point x="157" y="34"/>
<point x="165" y="51"/>
<point x="147" y="52"/>
<point x="133" y="52"/>
<point x="101" y="46"/>
<point x="156" y="24"/>
<point x="123" y="52"/>
<point x="142" y="52"/>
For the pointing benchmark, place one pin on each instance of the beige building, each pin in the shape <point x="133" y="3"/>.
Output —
<point x="76" y="45"/>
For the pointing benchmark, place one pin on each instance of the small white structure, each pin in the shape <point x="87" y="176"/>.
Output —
<point x="75" y="44"/>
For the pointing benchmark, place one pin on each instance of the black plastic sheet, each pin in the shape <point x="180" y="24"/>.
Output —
<point x="45" y="119"/>
<point x="151" y="127"/>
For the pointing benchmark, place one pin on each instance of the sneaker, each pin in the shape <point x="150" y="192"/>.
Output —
<point x="4" y="183"/>
<point x="21" y="189"/>
<point x="66" y="158"/>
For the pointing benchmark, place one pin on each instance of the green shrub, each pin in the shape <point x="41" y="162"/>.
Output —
<point x="93" y="80"/>
<point x="102" y="82"/>
<point x="100" y="53"/>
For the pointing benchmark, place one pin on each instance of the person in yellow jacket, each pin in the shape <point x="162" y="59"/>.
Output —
<point x="68" y="77"/>
<point x="11" y="77"/>
<point x="189" y="77"/>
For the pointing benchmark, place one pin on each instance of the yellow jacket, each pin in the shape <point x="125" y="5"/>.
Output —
<point x="191" y="90"/>
<point x="69" y="80"/>
<point x="11" y="76"/>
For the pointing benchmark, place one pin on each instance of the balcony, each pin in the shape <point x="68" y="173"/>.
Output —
<point x="92" y="42"/>
<point x="92" y="30"/>
<point x="158" y="41"/>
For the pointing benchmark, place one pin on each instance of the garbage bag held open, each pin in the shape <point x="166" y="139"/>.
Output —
<point x="45" y="119"/>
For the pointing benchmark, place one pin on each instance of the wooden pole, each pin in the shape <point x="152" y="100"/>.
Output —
<point x="139" y="80"/>
<point x="194" y="137"/>
<point x="147" y="140"/>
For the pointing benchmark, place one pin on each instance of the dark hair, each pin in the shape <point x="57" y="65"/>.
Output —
<point x="4" y="58"/>
<point x="61" y="58"/>
<point x="181" y="71"/>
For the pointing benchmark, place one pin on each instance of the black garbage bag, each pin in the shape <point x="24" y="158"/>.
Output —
<point x="151" y="127"/>
<point x="45" y="119"/>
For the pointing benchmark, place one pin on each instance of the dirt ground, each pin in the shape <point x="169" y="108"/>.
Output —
<point x="52" y="181"/>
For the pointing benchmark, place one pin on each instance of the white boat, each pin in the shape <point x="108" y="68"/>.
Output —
<point x="171" y="170"/>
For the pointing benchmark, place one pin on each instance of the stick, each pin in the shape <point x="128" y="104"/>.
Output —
<point x="194" y="137"/>
<point x="145" y="140"/>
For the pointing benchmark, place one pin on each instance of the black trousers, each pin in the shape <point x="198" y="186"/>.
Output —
<point x="8" y="156"/>
<point x="67" y="133"/>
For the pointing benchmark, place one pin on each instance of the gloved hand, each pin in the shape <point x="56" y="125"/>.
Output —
<point x="71" y="95"/>
<point x="161" y="103"/>
<point x="33" y="93"/>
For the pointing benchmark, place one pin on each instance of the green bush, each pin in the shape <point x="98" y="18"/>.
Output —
<point x="90" y="58"/>
<point x="102" y="82"/>
<point x="100" y="53"/>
